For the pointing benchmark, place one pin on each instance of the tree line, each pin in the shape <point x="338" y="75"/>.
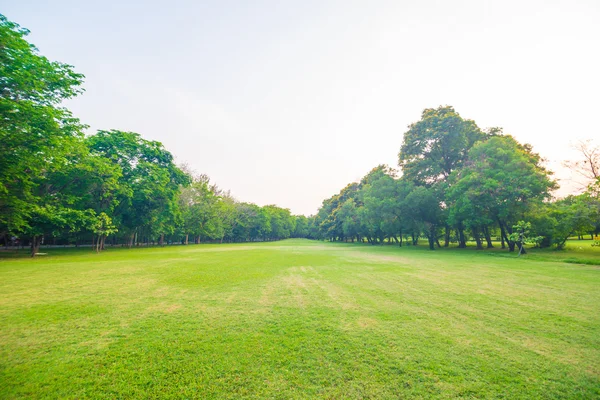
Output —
<point x="59" y="186"/>
<point x="458" y="183"/>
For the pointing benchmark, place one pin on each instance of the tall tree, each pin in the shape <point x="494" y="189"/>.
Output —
<point x="71" y="193"/>
<point x="150" y="179"/>
<point x="423" y="205"/>
<point x="501" y="182"/>
<point x="36" y="133"/>
<point x="436" y="145"/>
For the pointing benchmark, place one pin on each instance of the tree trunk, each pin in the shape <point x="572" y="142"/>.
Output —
<point x="35" y="245"/>
<point x="508" y="231"/>
<point x="447" y="236"/>
<point x="477" y="238"/>
<point x="462" y="241"/>
<point x="488" y="237"/>
<point x="432" y="237"/>
<point x="130" y="241"/>
<point x="502" y="234"/>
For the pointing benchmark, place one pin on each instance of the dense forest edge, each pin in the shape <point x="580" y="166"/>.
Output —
<point x="456" y="182"/>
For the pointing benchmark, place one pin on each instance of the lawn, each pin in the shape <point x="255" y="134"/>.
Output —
<point x="299" y="319"/>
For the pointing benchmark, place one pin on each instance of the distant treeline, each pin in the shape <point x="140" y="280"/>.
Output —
<point x="59" y="187"/>
<point x="456" y="182"/>
<point x="459" y="183"/>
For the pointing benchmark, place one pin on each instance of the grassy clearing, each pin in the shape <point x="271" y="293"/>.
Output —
<point x="298" y="319"/>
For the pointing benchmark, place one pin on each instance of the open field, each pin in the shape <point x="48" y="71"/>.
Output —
<point x="299" y="319"/>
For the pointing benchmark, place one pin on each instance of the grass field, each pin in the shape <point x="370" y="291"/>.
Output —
<point x="299" y="319"/>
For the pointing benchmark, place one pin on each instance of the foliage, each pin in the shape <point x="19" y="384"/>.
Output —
<point x="522" y="235"/>
<point x="150" y="181"/>
<point x="36" y="133"/>
<point x="54" y="183"/>
<point x="455" y="180"/>
<point x="574" y="215"/>
<point x="437" y="145"/>
<point x="103" y="226"/>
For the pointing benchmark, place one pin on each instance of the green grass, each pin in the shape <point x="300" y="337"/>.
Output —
<point x="298" y="319"/>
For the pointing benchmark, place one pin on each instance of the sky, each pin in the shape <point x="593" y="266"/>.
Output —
<point x="286" y="102"/>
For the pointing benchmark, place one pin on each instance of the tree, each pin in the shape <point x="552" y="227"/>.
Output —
<point x="522" y="235"/>
<point x="437" y="145"/>
<point x="588" y="167"/>
<point x="150" y="181"/>
<point x="384" y="204"/>
<point x="102" y="227"/>
<point x="70" y="193"/>
<point x="423" y="205"/>
<point x="302" y="228"/>
<point x="346" y="214"/>
<point x="281" y="221"/>
<point x="500" y="182"/>
<point x="574" y="215"/>
<point x="226" y="212"/>
<point x="36" y="133"/>
<point x="199" y="203"/>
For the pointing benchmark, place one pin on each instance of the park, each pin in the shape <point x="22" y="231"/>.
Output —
<point x="364" y="240"/>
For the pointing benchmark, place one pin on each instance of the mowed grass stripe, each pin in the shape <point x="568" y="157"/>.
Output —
<point x="297" y="319"/>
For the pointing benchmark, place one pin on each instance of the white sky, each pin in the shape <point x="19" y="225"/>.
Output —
<point x="285" y="102"/>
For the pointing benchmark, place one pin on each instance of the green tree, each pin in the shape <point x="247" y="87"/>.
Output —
<point x="302" y="228"/>
<point x="36" y="133"/>
<point x="383" y="202"/>
<point x="424" y="206"/>
<point x="102" y="227"/>
<point x="501" y="182"/>
<point x="346" y="214"/>
<point x="436" y="145"/>
<point x="69" y="194"/>
<point x="574" y="215"/>
<point x="199" y="204"/>
<point x="150" y="181"/>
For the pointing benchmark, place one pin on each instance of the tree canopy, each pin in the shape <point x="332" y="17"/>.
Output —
<point x="58" y="185"/>
<point x="459" y="183"/>
<point x="456" y="182"/>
